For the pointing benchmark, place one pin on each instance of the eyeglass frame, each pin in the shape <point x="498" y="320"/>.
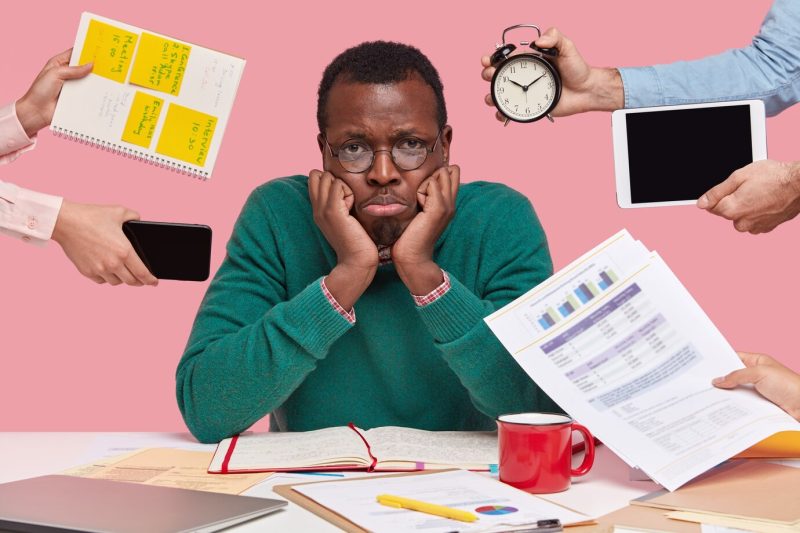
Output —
<point x="428" y="151"/>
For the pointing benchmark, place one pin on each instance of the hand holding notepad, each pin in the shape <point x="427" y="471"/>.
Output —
<point x="149" y="96"/>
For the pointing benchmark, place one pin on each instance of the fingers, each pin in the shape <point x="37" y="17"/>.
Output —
<point x="488" y="71"/>
<point x="59" y="59"/>
<point x="138" y="270"/>
<point x="313" y="185"/>
<point x="126" y="276"/>
<point x="711" y="199"/>
<point x="552" y="38"/>
<point x="129" y="214"/>
<point x="112" y="279"/>
<point x="744" y="376"/>
<point x="455" y="180"/>
<point x="74" y="73"/>
<point x="347" y="193"/>
<point x="436" y="190"/>
<point x="422" y="191"/>
<point x="751" y="359"/>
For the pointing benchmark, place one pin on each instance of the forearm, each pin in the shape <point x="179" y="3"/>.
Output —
<point x="420" y="279"/>
<point x="347" y="284"/>
<point x="230" y="377"/>
<point x="606" y="93"/>
<point x="767" y="70"/>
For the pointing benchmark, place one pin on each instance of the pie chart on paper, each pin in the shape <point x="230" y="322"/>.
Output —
<point x="496" y="509"/>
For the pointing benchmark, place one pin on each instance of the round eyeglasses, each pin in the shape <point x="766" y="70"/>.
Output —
<point x="356" y="156"/>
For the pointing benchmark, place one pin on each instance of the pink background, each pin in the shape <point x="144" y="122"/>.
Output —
<point x="78" y="356"/>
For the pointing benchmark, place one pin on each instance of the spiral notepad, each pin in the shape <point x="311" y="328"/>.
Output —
<point x="150" y="97"/>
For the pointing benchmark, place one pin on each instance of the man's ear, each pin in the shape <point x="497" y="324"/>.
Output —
<point x="321" y="144"/>
<point x="447" y="138"/>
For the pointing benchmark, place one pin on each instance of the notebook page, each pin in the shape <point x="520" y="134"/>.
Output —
<point x="149" y="96"/>
<point x="288" y="450"/>
<point x="438" y="447"/>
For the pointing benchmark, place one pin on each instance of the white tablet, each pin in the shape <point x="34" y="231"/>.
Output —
<point x="671" y="155"/>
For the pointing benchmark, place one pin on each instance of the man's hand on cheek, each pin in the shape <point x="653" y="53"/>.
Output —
<point x="331" y="201"/>
<point x="412" y="254"/>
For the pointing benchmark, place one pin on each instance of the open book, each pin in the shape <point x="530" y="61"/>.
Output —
<point x="350" y="448"/>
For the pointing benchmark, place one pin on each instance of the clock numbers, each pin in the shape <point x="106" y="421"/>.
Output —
<point x="524" y="88"/>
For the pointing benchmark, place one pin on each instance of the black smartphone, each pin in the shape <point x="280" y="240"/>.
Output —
<point x="171" y="250"/>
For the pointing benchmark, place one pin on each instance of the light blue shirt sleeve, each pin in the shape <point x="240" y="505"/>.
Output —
<point x="768" y="70"/>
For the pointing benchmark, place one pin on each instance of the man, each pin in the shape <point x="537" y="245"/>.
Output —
<point x="758" y="197"/>
<point x="358" y="294"/>
<point x="90" y="235"/>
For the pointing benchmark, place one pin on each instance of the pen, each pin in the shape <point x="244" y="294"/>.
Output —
<point x="422" y="507"/>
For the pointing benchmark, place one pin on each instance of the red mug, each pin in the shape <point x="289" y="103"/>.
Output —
<point x="536" y="451"/>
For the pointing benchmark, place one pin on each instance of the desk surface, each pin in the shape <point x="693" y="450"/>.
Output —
<point x="22" y="455"/>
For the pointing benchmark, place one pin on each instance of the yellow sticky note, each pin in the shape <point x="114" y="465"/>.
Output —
<point x="110" y="49"/>
<point x="186" y="135"/>
<point x="160" y="64"/>
<point x="142" y="119"/>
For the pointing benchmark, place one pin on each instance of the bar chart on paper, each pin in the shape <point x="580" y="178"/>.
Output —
<point x="576" y="292"/>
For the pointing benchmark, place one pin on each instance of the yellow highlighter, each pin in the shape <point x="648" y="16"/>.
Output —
<point x="422" y="507"/>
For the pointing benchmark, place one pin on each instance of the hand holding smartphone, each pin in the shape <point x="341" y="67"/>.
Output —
<point x="172" y="250"/>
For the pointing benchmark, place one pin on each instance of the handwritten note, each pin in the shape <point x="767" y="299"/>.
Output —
<point x="142" y="119"/>
<point x="187" y="134"/>
<point x="160" y="64"/>
<point x="110" y="49"/>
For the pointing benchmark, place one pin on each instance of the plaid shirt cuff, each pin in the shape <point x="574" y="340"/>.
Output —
<point x="435" y="294"/>
<point x="349" y="316"/>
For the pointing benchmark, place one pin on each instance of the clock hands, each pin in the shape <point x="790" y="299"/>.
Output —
<point x="525" y="87"/>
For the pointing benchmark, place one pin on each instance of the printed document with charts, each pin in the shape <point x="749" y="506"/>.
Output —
<point x="618" y="342"/>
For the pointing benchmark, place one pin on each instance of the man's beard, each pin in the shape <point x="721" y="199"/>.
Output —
<point x="386" y="231"/>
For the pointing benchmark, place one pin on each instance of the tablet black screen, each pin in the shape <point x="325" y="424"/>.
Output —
<point x="680" y="154"/>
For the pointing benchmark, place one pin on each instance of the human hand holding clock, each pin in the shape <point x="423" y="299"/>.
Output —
<point x="584" y="88"/>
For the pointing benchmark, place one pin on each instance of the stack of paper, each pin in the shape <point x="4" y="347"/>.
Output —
<point x="753" y="496"/>
<point x="618" y="342"/>
<point x="166" y="467"/>
<point x="499" y="507"/>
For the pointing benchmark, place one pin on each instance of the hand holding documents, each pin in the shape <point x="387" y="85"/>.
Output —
<point x="351" y="448"/>
<point x="621" y="345"/>
<point x="149" y="96"/>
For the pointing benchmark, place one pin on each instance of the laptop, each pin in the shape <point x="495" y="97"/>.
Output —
<point x="66" y="503"/>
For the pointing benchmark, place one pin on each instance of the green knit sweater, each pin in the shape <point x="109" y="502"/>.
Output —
<point x="267" y="341"/>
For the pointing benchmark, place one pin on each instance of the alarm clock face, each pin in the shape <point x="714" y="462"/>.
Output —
<point x="525" y="88"/>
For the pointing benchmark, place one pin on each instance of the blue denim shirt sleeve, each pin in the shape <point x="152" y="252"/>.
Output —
<point x="768" y="70"/>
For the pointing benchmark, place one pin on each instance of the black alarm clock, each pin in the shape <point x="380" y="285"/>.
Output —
<point x="525" y="86"/>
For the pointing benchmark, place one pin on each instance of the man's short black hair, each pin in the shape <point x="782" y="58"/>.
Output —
<point x="380" y="62"/>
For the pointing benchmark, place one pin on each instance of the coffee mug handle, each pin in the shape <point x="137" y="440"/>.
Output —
<point x="588" y="457"/>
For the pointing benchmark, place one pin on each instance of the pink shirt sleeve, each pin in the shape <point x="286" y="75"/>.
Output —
<point x="24" y="214"/>
<point x="350" y="315"/>
<point x="13" y="139"/>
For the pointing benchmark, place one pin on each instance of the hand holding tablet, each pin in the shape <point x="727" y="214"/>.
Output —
<point x="671" y="155"/>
